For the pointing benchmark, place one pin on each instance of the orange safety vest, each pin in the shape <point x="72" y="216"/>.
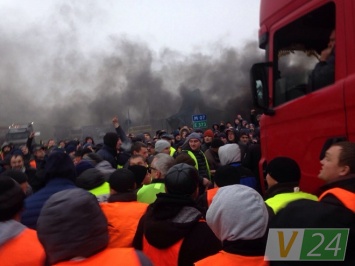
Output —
<point x="123" y="219"/>
<point x="22" y="250"/>
<point x="107" y="257"/>
<point x="345" y="196"/>
<point x="223" y="258"/>
<point x="162" y="257"/>
<point x="210" y="195"/>
<point x="33" y="164"/>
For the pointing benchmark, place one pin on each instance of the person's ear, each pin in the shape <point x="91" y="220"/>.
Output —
<point x="158" y="174"/>
<point x="345" y="170"/>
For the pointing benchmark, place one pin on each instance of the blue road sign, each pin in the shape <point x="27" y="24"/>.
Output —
<point x="200" y="117"/>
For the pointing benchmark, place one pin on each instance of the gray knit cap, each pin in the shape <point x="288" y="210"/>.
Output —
<point x="160" y="145"/>
<point x="194" y="135"/>
<point x="237" y="212"/>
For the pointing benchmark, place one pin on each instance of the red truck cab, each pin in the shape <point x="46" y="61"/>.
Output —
<point x="300" y="120"/>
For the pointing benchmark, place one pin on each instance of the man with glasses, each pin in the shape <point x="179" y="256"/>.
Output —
<point x="159" y="167"/>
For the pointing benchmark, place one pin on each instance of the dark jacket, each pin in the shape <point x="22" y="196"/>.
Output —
<point x="59" y="175"/>
<point x="247" y="177"/>
<point x="329" y="212"/>
<point x="35" y="202"/>
<point x="213" y="159"/>
<point x="172" y="218"/>
<point x="108" y="154"/>
<point x="323" y="74"/>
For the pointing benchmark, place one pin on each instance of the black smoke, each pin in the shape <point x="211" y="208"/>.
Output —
<point x="49" y="76"/>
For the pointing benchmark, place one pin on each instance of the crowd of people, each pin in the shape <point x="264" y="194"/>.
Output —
<point x="186" y="197"/>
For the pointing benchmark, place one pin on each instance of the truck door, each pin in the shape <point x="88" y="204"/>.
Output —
<point x="306" y="119"/>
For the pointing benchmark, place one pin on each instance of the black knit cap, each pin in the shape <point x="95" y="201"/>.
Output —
<point x="11" y="198"/>
<point x="181" y="179"/>
<point x="122" y="180"/>
<point x="283" y="170"/>
<point x="227" y="175"/>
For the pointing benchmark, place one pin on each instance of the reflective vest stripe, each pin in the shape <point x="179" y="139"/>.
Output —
<point x="280" y="201"/>
<point x="345" y="196"/>
<point x="172" y="151"/>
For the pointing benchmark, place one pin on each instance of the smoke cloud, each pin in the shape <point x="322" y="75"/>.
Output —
<point x="50" y="75"/>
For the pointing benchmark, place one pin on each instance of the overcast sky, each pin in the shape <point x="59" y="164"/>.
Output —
<point x="181" y="25"/>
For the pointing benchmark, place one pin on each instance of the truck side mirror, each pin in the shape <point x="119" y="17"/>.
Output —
<point x="259" y="86"/>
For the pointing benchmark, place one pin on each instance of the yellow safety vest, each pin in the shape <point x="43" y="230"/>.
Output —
<point x="102" y="192"/>
<point x="196" y="163"/>
<point x="280" y="201"/>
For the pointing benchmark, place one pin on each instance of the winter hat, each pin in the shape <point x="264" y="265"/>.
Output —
<point x="283" y="170"/>
<point x="60" y="165"/>
<point x="181" y="179"/>
<point x="224" y="215"/>
<point x="139" y="172"/>
<point x="82" y="166"/>
<point x="122" y="180"/>
<point x="110" y="139"/>
<point x="90" y="179"/>
<point x="70" y="148"/>
<point x="229" y="153"/>
<point x="16" y="175"/>
<point x="227" y="175"/>
<point x="208" y="133"/>
<point x="72" y="224"/>
<point x="216" y="143"/>
<point x="176" y="132"/>
<point x="160" y="145"/>
<point x="194" y="135"/>
<point x="11" y="198"/>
